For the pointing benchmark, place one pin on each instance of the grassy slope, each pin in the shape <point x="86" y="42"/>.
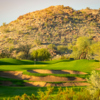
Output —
<point x="79" y="65"/>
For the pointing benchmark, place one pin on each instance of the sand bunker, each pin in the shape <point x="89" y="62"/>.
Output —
<point x="43" y="81"/>
<point x="55" y="71"/>
<point x="44" y="84"/>
<point x="19" y="75"/>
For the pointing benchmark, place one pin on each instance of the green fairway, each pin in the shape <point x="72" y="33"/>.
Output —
<point x="78" y="65"/>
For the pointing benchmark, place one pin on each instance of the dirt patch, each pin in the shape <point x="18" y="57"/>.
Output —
<point x="44" y="84"/>
<point x="55" y="71"/>
<point x="19" y="75"/>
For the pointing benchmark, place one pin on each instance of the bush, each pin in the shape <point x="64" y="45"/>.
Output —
<point x="62" y="49"/>
<point x="23" y="97"/>
<point x="62" y="94"/>
<point x="5" y="55"/>
<point x="95" y="24"/>
<point x="37" y="42"/>
<point x="94" y="81"/>
<point x="40" y="54"/>
<point x="25" y="49"/>
<point x="6" y="30"/>
<point x="51" y="46"/>
<point x="21" y="55"/>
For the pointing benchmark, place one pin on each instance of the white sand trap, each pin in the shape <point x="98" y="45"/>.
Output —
<point x="55" y="71"/>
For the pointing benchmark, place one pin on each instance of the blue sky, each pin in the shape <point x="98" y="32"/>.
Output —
<point x="11" y="9"/>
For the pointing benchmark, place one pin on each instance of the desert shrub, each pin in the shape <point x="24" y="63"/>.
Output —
<point x="11" y="48"/>
<point x="62" y="49"/>
<point x="5" y="55"/>
<point x="51" y="46"/>
<point x="63" y="57"/>
<point x="21" y="55"/>
<point x="6" y="30"/>
<point x="94" y="87"/>
<point x="62" y="94"/>
<point x="23" y="97"/>
<point x="9" y="40"/>
<point x="93" y="24"/>
<point x="20" y="32"/>
<point x="30" y="27"/>
<point x="40" y="54"/>
<point x="25" y="49"/>
<point x="37" y="42"/>
<point x="87" y="8"/>
<point x="4" y="24"/>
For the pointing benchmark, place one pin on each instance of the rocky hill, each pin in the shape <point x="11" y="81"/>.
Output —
<point x="57" y="25"/>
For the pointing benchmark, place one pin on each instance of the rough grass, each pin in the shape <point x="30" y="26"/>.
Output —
<point x="6" y="92"/>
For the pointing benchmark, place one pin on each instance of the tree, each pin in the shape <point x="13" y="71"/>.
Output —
<point x="82" y="48"/>
<point x="24" y="48"/>
<point x="40" y="54"/>
<point x="96" y="50"/>
<point x="34" y="55"/>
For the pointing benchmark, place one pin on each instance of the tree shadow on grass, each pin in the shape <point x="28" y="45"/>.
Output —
<point x="10" y="61"/>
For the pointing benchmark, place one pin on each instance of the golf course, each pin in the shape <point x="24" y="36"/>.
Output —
<point x="26" y="76"/>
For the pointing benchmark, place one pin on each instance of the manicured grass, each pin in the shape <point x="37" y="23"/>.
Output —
<point x="10" y="61"/>
<point x="78" y="65"/>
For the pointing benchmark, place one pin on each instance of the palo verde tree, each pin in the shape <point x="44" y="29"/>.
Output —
<point x="96" y="50"/>
<point x="82" y="48"/>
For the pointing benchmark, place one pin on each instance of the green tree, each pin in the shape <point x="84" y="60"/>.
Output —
<point x="96" y="50"/>
<point x="82" y="49"/>
<point x="40" y="54"/>
<point x="34" y="55"/>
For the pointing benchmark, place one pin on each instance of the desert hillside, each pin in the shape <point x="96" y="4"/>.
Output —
<point x="57" y="25"/>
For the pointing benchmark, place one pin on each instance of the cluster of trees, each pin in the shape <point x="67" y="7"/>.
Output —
<point x="85" y="48"/>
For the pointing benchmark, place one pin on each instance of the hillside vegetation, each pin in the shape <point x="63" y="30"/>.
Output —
<point x="56" y="25"/>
